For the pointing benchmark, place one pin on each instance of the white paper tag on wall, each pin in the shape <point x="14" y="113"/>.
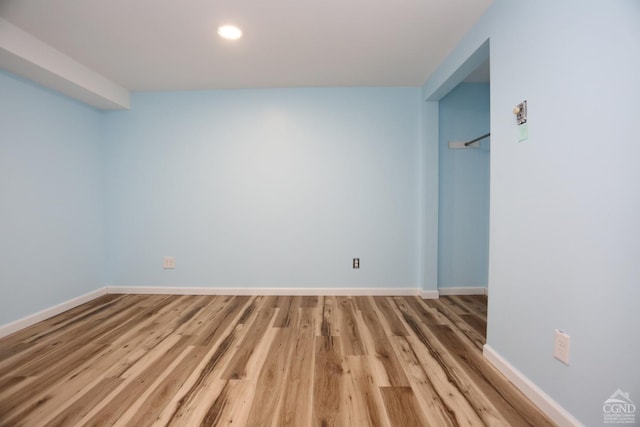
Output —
<point x="523" y="132"/>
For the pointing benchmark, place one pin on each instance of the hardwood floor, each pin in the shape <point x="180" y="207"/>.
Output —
<point x="135" y="360"/>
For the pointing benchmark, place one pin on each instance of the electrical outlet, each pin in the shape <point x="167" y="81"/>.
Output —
<point x="561" y="346"/>
<point x="169" y="262"/>
<point x="356" y="263"/>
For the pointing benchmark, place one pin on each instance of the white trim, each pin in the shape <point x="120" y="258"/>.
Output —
<point x="557" y="413"/>
<point x="464" y="290"/>
<point x="32" y="319"/>
<point x="428" y="294"/>
<point x="261" y="291"/>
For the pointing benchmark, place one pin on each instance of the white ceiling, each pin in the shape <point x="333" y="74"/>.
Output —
<point x="172" y="45"/>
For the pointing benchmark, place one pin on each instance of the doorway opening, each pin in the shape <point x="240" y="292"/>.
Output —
<point x="463" y="185"/>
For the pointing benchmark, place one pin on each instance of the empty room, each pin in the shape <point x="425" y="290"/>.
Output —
<point x="328" y="213"/>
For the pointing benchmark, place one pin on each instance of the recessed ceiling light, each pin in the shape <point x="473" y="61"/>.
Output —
<point x="230" y="32"/>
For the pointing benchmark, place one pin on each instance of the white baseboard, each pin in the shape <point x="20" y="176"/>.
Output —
<point x="463" y="291"/>
<point x="27" y="321"/>
<point x="32" y="319"/>
<point x="169" y="290"/>
<point x="557" y="413"/>
<point x="261" y="291"/>
<point x="428" y="294"/>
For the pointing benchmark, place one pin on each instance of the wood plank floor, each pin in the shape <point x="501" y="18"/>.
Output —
<point x="139" y="360"/>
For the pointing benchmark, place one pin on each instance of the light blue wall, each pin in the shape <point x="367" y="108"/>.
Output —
<point x="463" y="236"/>
<point x="565" y="205"/>
<point x="51" y="205"/>
<point x="429" y="149"/>
<point x="265" y="188"/>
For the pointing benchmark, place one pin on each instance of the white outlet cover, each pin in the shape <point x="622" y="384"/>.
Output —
<point x="561" y="346"/>
<point x="169" y="262"/>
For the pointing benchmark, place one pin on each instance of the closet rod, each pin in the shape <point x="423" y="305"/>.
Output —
<point x="468" y="143"/>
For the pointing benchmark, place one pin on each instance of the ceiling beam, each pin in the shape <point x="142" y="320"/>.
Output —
<point x="30" y="58"/>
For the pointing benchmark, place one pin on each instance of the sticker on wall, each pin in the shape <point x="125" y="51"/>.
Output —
<point x="520" y="112"/>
